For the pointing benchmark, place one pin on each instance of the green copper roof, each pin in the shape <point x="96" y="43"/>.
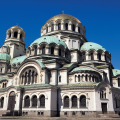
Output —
<point x="67" y="65"/>
<point x="39" y="62"/>
<point x="4" y="56"/>
<point x="115" y="72"/>
<point x="90" y="45"/>
<point x="48" y="40"/>
<point x="3" y="78"/>
<point x="5" y="45"/>
<point x="19" y="59"/>
<point x="79" y="69"/>
<point x="34" y="86"/>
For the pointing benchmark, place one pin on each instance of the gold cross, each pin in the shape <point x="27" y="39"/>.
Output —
<point x="63" y="12"/>
<point x="17" y="24"/>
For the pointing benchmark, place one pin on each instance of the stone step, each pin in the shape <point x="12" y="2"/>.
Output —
<point x="108" y="115"/>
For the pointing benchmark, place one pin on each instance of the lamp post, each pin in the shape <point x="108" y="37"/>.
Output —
<point x="15" y="103"/>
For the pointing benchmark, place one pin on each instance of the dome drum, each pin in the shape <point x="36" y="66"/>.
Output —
<point x="47" y="45"/>
<point x="14" y="33"/>
<point x="95" y="52"/>
<point x="64" y="23"/>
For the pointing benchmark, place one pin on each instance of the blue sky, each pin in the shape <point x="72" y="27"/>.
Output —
<point x="101" y="19"/>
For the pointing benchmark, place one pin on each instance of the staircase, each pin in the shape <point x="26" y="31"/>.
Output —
<point x="109" y="115"/>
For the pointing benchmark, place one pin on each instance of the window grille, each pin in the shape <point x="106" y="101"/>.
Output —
<point x="118" y="82"/>
<point x="82" y="101"/>
<point x="73" y="27"/>
<point x="92" y="58"/>
<point x="79" y="29"/>
<point x="42" y="101"/>
<point x="43" y="50"/>
<point x="66" y="26"/>
<point x="52" y="50"/>
<point x="52" y="27"/>
<point x="59" y="26"/>
<point x="66" y="101"/>
<point x="2" y="101"/>
<point x="34" y="101"/>
<point x="74" y="101"/>
<point x="27" y="101"/>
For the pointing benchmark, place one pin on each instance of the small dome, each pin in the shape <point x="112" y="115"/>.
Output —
<point x="16" y="27"/>
<point x="90" y="45"/>
<point x="63" y="17"/>
<point x="49" y="40"/>
<point x="4" y="56"/>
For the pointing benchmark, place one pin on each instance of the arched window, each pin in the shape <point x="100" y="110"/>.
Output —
<point x="59" y="78"/>
<point x="43" y="50"/>
<point x="3" y="85"/>
<point x="29" y="76"/>
<point x="118" y="82"/>
<point x="25" y="77"/>
<point x="86" y="78"/>
<point x="59" y="26"/>
<point x="46" y="29"/>
<point x="79" y="29"/>
<point x="2" y="102"/>
<point x="42" y="101"/>
<point x="99" y="56"/>
<point x="82" y="101"/>
<point x="34" y="101"/>
<point x="35" y="50"/>
<point x="33" y="77"/>
<point x="15" y="34"/>
<point x="73" y="27"/>
<point x="59" y="52"/>
<point x="66" y="26"/>
<point x="66" y="101"/>
<point x="20" y="36"/>
<point x="78" y="78"/>
<point x="52" y="50"/>
<point x="10" y="35"/>
<point x="27" y="101"/>
<point x="103" y="93"/>
<point x="74" y="101"/>
<point x="92" y="58"/>
<point x="52" y="27"/>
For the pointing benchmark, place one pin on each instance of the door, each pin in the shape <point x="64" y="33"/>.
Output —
<point x="11" y="103"/>
<point x="104" y="108"/>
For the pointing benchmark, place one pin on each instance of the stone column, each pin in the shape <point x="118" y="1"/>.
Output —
<point x="95" y="56"/>
<point x="56" y="51"/>
<point x="30" y="103"/>
<point x="70" y="26"/>
<point x="55" y="27"/>
<point x="70" y="103"/>
<point x="83" y="77"/>
<point x="87" y="56"/>
<point x="63" y="102"/>
<point x="18" y="36"/>
<point x="23" y="103"/>
<point x="38" y="102"/>
<point x="31" y="78"/>
<point x="62" y="26"/>
<point x="27" y="79"/>
<point x="103" y="56"/>
<point x="12" y="34"/>
<point x="76" y="28"/>
<point x="23" y="80"/>
<point x="7" y="35"/>
<point x="78" y="106"/>
<point x="80" y="77"/>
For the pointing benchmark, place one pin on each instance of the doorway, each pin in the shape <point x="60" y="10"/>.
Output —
<point x="104" y="108"/>
<point x="11" y="103"/>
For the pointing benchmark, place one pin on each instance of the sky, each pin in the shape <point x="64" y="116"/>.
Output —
<point x="101" y="19"/>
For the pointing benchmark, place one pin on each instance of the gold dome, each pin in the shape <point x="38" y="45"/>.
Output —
<point x="16" y="27"/>
<point x="63" y="17"/>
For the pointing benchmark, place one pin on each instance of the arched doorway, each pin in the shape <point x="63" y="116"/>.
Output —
<point x="11" y="103"/>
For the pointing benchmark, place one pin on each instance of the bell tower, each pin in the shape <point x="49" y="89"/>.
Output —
<point x="15" y="40"/>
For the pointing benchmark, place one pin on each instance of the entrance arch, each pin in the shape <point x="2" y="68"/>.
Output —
<point x="11" y="103"/>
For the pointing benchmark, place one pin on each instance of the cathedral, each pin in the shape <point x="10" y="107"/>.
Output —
<point x="58" y="74"/>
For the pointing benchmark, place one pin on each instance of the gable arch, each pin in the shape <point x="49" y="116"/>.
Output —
<point x="40" y="94"/>
<point x="65" y="94"/>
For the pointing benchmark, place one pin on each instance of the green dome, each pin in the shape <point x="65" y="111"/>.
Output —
<point x="115" y="72"/>
<point x="4" y="56"/>
<point x="48" y="40"/>
<point x="90" y="45"/>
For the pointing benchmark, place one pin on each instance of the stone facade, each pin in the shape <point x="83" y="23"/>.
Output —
<point x="59" y="74"/>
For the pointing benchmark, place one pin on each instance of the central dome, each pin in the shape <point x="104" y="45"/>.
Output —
<point x="63" y="17"/>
